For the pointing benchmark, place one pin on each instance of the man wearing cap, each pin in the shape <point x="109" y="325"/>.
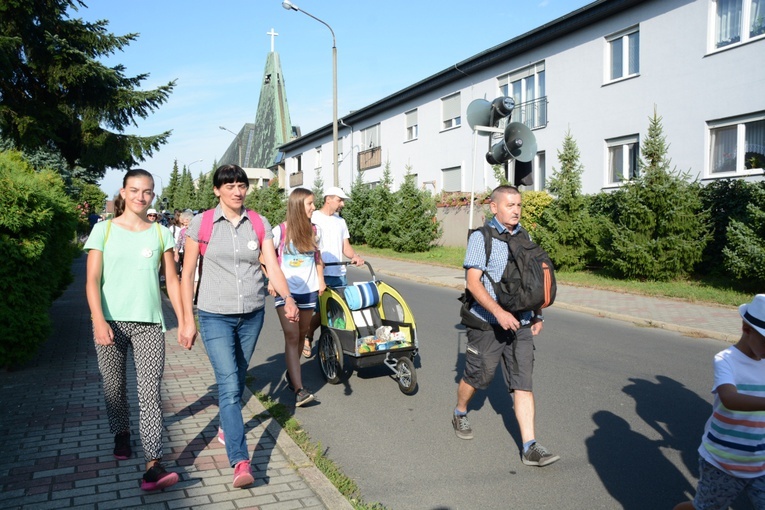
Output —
<point x="731" y="460"/>
<point x="334" y="243"/>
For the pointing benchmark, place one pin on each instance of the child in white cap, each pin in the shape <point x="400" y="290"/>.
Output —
<point x="732" y="451"/>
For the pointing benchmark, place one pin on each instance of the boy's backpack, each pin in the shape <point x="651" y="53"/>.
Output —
<point x="205" y="229"/>
<point x="527" y="282"/>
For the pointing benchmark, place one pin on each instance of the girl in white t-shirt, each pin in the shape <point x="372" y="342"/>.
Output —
<point x="298" y="252"/>
<point x="125" y="305"/>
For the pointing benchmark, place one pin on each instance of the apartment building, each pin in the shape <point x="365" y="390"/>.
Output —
<point x="598" y="73"/>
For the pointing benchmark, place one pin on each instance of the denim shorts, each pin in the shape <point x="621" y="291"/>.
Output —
<point x="485" y="349"/>
<point x="303" y="301"/>
<point x="717" y="489"/>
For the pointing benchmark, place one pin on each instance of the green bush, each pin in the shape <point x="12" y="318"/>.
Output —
<point x="413" y="218"/>
<point x="659" y="230"/>
<point x="744" y="253"/>
<point x="37" y="226"/>
<point x="725" y="200"/>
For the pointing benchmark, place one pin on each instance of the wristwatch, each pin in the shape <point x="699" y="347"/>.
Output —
<point x="540" y="317"/>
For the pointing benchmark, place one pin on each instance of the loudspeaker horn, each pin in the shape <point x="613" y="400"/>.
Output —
<point x="479" y="114"/>
<point x="518" y="143"/>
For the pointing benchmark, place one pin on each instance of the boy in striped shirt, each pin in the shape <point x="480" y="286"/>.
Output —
<point x="732" y="451"/>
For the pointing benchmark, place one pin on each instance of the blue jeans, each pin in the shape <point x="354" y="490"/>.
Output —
<point x="230" y="342"/>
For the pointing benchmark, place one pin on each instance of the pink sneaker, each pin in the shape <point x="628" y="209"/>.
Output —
<point x="243" y="474"/>
<point x="221" y="437"/>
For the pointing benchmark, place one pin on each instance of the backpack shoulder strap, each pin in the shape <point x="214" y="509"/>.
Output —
<point x="282" y="236"/>
<point x="257" y="225"/>
<point x="108" y="229"/>
<point x="161" y="240"/>
<point x="205" y="230"/>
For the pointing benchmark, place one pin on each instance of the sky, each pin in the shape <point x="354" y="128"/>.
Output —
<point x="216" y="52"/>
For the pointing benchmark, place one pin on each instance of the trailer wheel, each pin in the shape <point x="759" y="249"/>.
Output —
<point x="330" y="356"/>
<point x="406" y="375"/>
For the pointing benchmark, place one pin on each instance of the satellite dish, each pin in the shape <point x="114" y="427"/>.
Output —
<point x="479" y="114"/>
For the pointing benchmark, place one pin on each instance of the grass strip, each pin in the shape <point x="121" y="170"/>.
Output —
<point x="316" y="453"/>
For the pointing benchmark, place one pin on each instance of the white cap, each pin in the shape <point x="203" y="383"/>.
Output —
<point x="151" y="211"/>
<point x="754" y="313"/>
<point x="335" y="191"/>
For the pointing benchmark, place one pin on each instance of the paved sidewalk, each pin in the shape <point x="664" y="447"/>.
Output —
<point x="718" y="322"/>
<point x="56" y="449"/>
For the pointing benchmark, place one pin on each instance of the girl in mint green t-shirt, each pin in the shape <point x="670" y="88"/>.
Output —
<point x="124" y="257"/>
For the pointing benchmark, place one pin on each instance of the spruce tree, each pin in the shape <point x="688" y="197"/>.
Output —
<point x="184" y="195"/>
<point x="660" y="229"/>
<point x="318" y="189"/>
<point x="566" y="230"/>
<point x="205" y="198"/>
<point x="55" y="92"/>
<point x="171" y="190"/>
<point x="270" y="201"/>
<point x="413" y="218"/>
<point x="359" y="210"/>
<point x="377" y="230"/>
<point x="744" y="253"/>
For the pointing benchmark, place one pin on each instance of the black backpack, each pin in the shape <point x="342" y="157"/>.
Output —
<point x="528" y="280"/>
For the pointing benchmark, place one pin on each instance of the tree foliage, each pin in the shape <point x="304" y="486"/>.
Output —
<point x="377" y="230"/>
<point x="55" y="94"/>
<point x="659" y="229"/>
<point x="413" y="218"/>
<point x="566" y="228"/>
<point x="744" y="253"/>
<point x="270" y="201"/>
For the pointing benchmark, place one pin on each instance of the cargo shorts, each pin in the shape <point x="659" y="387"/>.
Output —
<point x="485" y="349"/>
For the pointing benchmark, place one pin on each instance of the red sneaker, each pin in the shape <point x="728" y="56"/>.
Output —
<point x="243" y="474"/>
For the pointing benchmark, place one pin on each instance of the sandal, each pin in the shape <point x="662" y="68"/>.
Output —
<point x="307" y="348"/>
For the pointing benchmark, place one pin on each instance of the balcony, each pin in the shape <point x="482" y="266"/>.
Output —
<point x="370" y="158"/>
<point x="296" y="179"/>
<point x="532" y="113"/>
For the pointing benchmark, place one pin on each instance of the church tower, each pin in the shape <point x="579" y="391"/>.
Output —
<point x="256" y="145"/>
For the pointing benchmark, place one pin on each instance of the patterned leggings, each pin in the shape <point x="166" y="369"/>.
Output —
<point x="148" y="343"/>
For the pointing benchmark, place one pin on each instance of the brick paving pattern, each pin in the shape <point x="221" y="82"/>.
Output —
<point x="56" y="450"/>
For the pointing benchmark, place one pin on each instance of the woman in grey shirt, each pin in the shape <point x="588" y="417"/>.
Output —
<point x="231" y="301"/>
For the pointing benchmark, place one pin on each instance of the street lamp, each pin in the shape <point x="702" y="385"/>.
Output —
<point x="238" y="142"/>
<point x="292" y="7"/>
<point x="188" y="167"/>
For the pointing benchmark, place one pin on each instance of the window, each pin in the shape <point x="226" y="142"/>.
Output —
<point x="412" y="130"/>
<point x="370" y="137"/>
<point x="732" y="15"/>
<point x="452" y="179"/>
<point x="527" y="88"/>
<point x="541" y="172"/>
<point x="340" y="147"/>
<point x="622" y="159"/>
<point x="450" y="111"/>
<point x="737" y="146"/>
<point x="624" y="54"/>
<point x="317" y="163"/>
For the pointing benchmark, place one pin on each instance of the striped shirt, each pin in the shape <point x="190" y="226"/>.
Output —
<point x="734" y="441"/>
<point x="475" y="258"/>
<point x="232" y="280"/>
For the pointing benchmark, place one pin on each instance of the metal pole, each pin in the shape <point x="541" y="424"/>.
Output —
<point x="334" y="113"/>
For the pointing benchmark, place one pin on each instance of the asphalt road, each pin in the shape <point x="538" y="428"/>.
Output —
<point x="623" y="406"/>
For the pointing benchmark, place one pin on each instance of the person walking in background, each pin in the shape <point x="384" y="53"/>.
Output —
<point x="334" y="243"/>
<point x="151" y="214"/>
<point x="232" y="298"/>
<point x="731" y="457"/>
<point x="499" y="335"/>
<point x="125" y="305"/>
<point x="180" y="241"/>
<point x="300" y="261"/>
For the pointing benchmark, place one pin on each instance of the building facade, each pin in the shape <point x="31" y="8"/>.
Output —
<point x="598" y="73"/>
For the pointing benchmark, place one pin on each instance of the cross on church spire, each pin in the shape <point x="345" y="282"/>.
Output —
<point x="272" y="34"/>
